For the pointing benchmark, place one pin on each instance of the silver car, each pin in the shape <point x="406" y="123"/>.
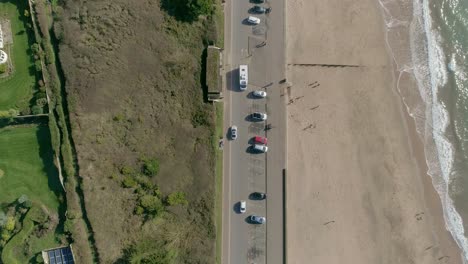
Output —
<point x="260" y="148"/>
<point x="259" y="116"/>
<point x="233" y="132"/>
<point x="257" y="219"/>
<point x="253" y="20"/>
<point x="260" y="94"/>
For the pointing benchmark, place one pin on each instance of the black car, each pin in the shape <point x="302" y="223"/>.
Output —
<point x="258" y="1"/>
<point x="258" y="9"/>
<point x="258" y="195"/>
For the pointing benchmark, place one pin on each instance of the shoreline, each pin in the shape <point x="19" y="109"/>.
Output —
<point x="412" y="32"/>
<point x="398" y="216"/>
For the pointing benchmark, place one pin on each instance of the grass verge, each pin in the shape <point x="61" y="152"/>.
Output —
<point x="219" y="181"/>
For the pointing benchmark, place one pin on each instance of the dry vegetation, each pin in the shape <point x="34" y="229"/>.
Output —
<point x="133" y="81"/>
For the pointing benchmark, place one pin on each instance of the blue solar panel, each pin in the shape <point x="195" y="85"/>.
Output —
<point x="60" y="256"/>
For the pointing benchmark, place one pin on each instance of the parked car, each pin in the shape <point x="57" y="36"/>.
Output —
<point x="260" y="94"/>
<point x="258" y="1"/>
<point x="253" y="20"/>
<point x="258" y="9"/>
<point x="260" y="140"/>
<point x="233" y="132"/>
<point x="260" y="148"/>
<point x="258" y="195"/>
<point x="257" y="219"/>
<point x="242" y="207"/>
<point x="259" y="116"/>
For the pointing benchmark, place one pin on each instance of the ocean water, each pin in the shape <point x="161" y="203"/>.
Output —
<point x="428" y="40"/>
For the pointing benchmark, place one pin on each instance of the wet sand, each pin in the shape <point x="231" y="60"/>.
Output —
<point x="357" y="191"/>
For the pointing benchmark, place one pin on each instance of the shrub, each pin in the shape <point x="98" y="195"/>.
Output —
<point x="3" y="68"/>
<point x="129" y="182"/>
<point x="176" y="198"/>
<point x="68" y="226"/>
<point x="152" y="204"/>
<point x="151" y="167"/>
<point x="41" y="102"/>
<point x="139" y="210"/>
<point x="37" y="110"/>
<point x="10" y="224"/>
<point x="38" y="66"/>
<point x="127" y="170"/>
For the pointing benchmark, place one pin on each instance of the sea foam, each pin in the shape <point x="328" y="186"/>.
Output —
<point x="429" y="66"/>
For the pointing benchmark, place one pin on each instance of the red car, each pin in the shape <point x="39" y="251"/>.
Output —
<point x="260" y="140"/>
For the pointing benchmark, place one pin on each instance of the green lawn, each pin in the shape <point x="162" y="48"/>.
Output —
<point x="16" y="90"/>
<point x="26" y="162"/>
<point x="27" y="168"/>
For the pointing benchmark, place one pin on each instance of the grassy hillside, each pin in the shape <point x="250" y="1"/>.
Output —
<point x="16" y="90"/>
<point x="142" y="131"/>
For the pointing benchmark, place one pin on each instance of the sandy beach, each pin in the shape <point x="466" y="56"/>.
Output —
<point x="357" y="189"/>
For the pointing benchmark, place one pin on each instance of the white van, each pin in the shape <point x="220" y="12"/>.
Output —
<point x="243" y="77"/>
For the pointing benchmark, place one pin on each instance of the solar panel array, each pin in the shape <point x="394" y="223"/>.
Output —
<point x="60" y="256"/>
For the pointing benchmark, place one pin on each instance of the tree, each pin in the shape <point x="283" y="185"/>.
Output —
<point x="26" y="13"/>
<point x="188" y="10"/>
<point x="35" y="48"/>
<point x="151" y="167"/>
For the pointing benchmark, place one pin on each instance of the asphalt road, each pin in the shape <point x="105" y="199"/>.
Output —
<point x="245" y="172"/>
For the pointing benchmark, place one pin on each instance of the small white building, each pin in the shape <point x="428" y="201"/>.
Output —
<point x="1" y="37"/>
<point x="3" y="57"/>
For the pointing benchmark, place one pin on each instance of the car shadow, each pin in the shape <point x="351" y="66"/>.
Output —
<point x="236" y="208"/>
<point x="232" y="80"/>
<point x="249" y="118"/>
<point x="253" y="12"/>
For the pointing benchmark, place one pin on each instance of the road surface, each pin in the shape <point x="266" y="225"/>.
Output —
<point x="245" y="172"/>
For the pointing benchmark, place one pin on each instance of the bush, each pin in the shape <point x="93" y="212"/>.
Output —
<point x="3" y="68"/>
<point x="152" y="204"/>
<point x="38" y="66"/>
<point x="41" y="102"/>
<point x="176" y="198"/>
<point x="129" y="182"/>
<point x="127" y="170"/>
<point x="37" y="110"/>
<point x="10" y="224"/>
<point x="151" y="167"/>
<point x="68" y="226"/>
